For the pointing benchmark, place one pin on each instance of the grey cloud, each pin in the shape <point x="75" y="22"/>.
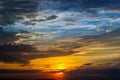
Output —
<point x="7" y="37"/>
<point x="4" y="71"/>
<point x="52" y="17"/>
<point x="15" y="53"/>
<point x="102" y="74"/>
<point x="23" y="53"/>
<point x="13" y="10"/>
<point x="114" y="4"/>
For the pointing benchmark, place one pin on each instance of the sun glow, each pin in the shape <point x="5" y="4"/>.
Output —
<point x="60" y="73"/>
<point x="61" y="66"/>
<point x="57" y="64"/>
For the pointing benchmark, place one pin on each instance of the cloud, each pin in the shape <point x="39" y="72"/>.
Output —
<point x="11" y="9"/>
<point x="61" y="47"/>
<point x="23" y="53"/>
<point x="58" y="23"/>
<point x="87" y="64"/>
<point x="15" y="53"/>
<point x="7" y="37"/>
<point x="47" y="23"/>
<point x="48" y="18"/>
<point x="4" y="71"/>
<point x="103" y="74"/>
<point x="92" y="3"/>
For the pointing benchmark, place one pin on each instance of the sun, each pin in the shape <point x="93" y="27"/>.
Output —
<point x="61" y="67"/>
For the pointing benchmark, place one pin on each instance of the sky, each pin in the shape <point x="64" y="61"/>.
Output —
<point x="56" y="39"/>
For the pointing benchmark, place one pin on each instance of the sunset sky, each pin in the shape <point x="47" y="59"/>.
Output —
<point x="60" y="39"/>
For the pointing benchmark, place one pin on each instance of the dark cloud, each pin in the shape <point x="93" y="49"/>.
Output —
<point x="79" y="74"/>
<point x="7" y="37"/>
<point x="87" y="64"/>
<point x="114" y="4"/>
<point x="15" y="53"/>
<point x="52" y="17"/>
<point x="103" y="74"/>
<point x="12" y="10"/>
<point x="23" y="53"/>
<point x="95" y="3"/>
<point x="4" y="71"/>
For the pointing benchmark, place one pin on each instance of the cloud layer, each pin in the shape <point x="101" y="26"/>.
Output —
<point x="31" y="29"/>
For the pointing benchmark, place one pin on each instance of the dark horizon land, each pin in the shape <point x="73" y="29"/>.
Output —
<point x="59" y="40"/>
